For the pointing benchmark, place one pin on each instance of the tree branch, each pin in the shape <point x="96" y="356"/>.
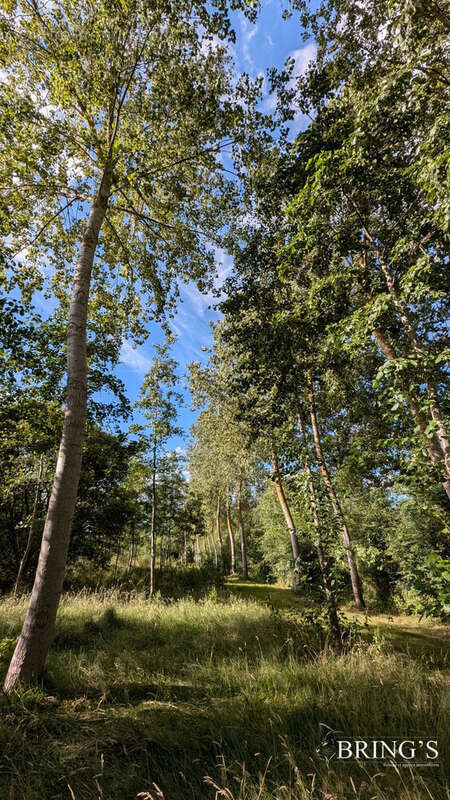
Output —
<point x="45" y="225"/>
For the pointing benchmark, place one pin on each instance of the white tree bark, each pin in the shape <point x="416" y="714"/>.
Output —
<point x="34" y="642"/>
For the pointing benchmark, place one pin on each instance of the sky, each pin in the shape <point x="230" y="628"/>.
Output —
<point x="266" y="43"/>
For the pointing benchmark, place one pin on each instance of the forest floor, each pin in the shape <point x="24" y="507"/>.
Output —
<point x="228" y="697"/>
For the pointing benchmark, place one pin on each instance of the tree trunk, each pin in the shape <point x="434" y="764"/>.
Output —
<point x="160" y="554"/>
<point x="417" y="348"/>
<point x="231" y="536"/>
<point x="27" y="550"/>
<point x="131" y="550"/>
<point x="153" y="525"/>
<point x="324" y="571"/>
<point x="438" y="445"/>
<point x="334" y="500"/>
<point x="216" y="557"/>
<point x="287" y="516"/>
<point x="242" y="536"/>
<point x="219" y="533"/>
<point x="197" y="551"/>
<point x="34" y="642"/>
<point x="116" y="565"/>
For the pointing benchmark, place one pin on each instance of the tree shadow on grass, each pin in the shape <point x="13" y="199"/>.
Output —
<point x="127" y="749"/>
<point x="162" y="701"/>
<point x="419" y="645"/>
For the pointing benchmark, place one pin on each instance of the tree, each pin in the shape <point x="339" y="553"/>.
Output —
<point x="159" y="402"/>
<point x="222" y="437"/>
<point x="367" y="213"/>
<point x="115" y="117"/>
<point x="31" y="369"/>
<point x="273" y="349"/>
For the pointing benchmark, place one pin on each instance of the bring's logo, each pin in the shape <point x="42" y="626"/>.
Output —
<point x="419" y="751"/>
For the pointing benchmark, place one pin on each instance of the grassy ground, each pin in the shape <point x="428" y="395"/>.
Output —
<point x="223" y="698"/>
<point x="418" y="637"/>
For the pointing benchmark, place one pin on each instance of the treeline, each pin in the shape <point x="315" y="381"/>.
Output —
<point x="126" y="471"/>
<point x="328" y="365"/>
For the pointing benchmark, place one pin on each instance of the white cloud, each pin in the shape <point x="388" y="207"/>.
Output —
<point x="49" y="111"/>
<point x="270" y="102"/>
<point x="198" y="301"/>
<point x="212" y="45"/>
<point x="224" y="264"/>
<point x="248" y="32"/>
<point x="302" y="58"/>
<point x="133" y="359"/>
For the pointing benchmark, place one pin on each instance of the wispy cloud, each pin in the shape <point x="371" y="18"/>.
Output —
<point x="248" y="32"/>
<point x="200" y="302"/>
<point x="132" y="358"/>
<point x="302" y="58"/>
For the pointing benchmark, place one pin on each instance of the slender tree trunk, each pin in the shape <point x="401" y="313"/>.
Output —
<point x="324" y="571"/>
<point x="416" y="346"/>
<point x="242" y="535"/>
<point x="32" y="647"/>
<point x="116" y="565"/>
<point x="27" y="550"/>
<point x="153" y="525"/>
<point x="219" y="532"/>
<point x="131" y="550"/>
<point x="197" y="551"/>
<point x="287" y="515"/>
<point x="334" y="500"/>
<point x="160" y="552"/>
<point x="231" y="537"/>
<point x="216" y="557"/>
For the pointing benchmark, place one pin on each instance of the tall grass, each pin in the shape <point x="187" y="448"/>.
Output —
<point x="210" y="699"/>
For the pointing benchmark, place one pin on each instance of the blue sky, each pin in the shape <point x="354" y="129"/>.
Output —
<point x="268" y="42"/>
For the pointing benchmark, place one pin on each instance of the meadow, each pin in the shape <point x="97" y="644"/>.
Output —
<point x="228" y="696"/>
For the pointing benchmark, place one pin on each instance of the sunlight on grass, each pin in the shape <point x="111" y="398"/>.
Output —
<point x="218" y="698"/>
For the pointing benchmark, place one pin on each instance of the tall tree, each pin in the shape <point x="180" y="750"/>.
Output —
<point x="227" y="438"/>
<point x="159" y="402"/>
<point x="370" y="206"/>
<point x="115" y="115"/>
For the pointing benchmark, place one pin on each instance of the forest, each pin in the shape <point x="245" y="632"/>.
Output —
<point x="224" y="417"/>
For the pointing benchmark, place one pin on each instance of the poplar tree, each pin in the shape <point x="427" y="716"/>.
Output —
<point x="159" y="402"/>
<point x="115" y="114"/>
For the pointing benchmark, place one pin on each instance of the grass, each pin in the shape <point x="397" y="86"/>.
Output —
<point x="418" y="637"/>
<point x="276" y="595"/>
<point x="223" y="698"/>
